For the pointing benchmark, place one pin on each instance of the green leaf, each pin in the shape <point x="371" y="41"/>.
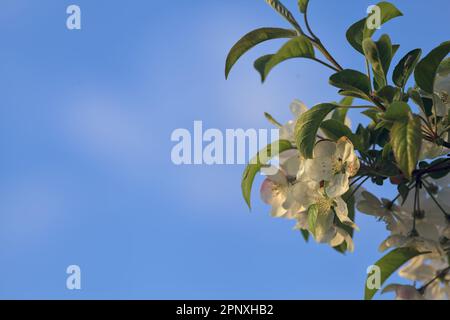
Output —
<point x="389" y="93"/>
<point x="379" y="54"/>
<point x="389" y="264"/>
<point x="335" y="130"/>
<point x="272" y="120"/>
<point x="349" y="198"/>
<point x="398" y="111"/>
<point x="352" y="81"/>
<point x="348" y="101"/>
<point x="313" y="214"/>
<point x="403" y="190"/>
<point x="355" y="35"/>
<point x="260" y="65"/>
<point x="303" y="5"/>
<point x="340" y="114"/>
<point x="386" y="151"/>
<point x="363" y="135"/>
<point x="386" y="53"/>
<point x="284" y="12"/>
<point x="405" y="67"/>
<point x="425" y="104"/>
<point x="307" y="126"/>
<point x="372" y="114"/>
<point x="252" y="39"/>
<point x="406" y="140"/>
<point x="261" y="159"/>
<point x="305" y="234"/>
<point x="441" y="173"/>
<point x="395" y="48"/>
<point x="425" y="73"/>
<point x="385" y="49"/>
<point x="298" y="47"/>
<point x="359" y="31"/>
<point x="353" y="94"/>
<point x="444" y="68"/>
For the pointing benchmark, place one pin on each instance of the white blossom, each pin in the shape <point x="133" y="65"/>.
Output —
<point x="404" y="292"/>
<point x="429" y="270"/>
<point x="333" y="164"/>
<point x="276" y="190"/>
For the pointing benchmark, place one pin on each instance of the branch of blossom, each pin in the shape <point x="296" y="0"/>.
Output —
<point x="319" y="45"/>
<point x="427" y="187"/>
<point x="441" y="274"/>
<point x="445" y="144"/>
<point x="442" y="166"/>
<point x="358" y="187"/>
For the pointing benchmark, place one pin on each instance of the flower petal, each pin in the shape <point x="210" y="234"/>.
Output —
<point x="342" y="213"/>
<point x="338" y="185"/>
<point x="298" y="108"/>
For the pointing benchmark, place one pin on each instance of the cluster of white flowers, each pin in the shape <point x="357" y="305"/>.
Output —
<point x="441" y="105"/>
<point x="305" y="187"/>
<point x="311" y="192"/>
<point x="427" y="231"/>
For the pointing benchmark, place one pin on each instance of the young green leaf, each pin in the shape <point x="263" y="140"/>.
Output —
<point x="252" y="39"/>
<point x="307" y="126"/>
<point x="425" y="73"/>
<point x="388" y="94"/>
<point x="360" y="31"/>
<point x="352" y="81"/>
<point x="284" y="12"/>
<point x="335" y="130"/>
<point x="440" y="173"/>
<point x="305" y="235"/>
<point x="444" y="68"/>
<point x="349" y="198"/>
<point x="386" y="151"/>
<point x="388" y="265"/>
<point x="398" y="111"/>
<point x="255" y="165"/>
<point x="353" y="94"/>
<point x="298" y="47"/>
<point x="355" y="35"/>
<point x="379" y="54"/>
<point x="405" y="67"/>
<point x="313" y="214"/>
<point x="386" y="51"/>
<point x="260" y="65"/>
<point x="406" y="141"/>
<point x="424" y="103"/>
<point x="303" y="5"/>
<point x="371" y="114"/>
<point x="403" y="190"/>
<point x="340" y="114"/>
<point x="373" y="55"/>
<point x="272" y="120"/>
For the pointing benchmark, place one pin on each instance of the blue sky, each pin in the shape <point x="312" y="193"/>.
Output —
<point x="86" y="175"/>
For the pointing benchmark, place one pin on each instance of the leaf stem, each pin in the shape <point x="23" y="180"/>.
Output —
<point x="369" y="74"/>
<point x="326" y="64"/>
